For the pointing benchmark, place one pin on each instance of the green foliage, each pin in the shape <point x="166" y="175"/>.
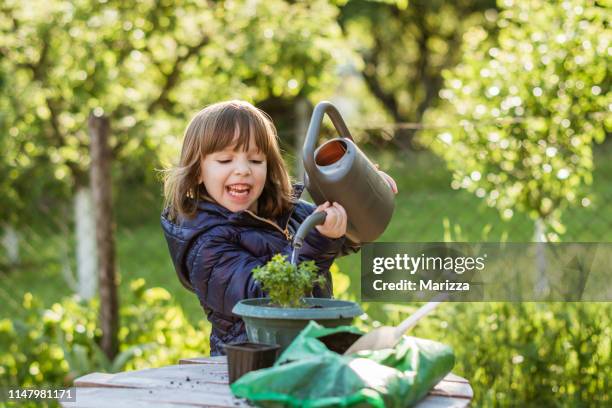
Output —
<point x="554" y="354"/>
<point x="285" y="282"/>
<point x="525" y="108"/>
<point x="51" y="347"/>
<point x="527" y="354"/>
<point x="403" y="47"/>
<point x="148" y="67"/>
<point x="514" y="354"/>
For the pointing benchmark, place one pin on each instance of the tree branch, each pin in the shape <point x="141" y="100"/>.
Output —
<point x="172" y="78"/>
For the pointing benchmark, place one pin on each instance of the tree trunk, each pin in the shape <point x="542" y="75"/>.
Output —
<point x="99" y="129"/>
<point x="301" y="127"/>
<point x="86" y="253"/>
<point x="10" y="242"/>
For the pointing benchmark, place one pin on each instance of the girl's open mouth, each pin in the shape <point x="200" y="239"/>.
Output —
<point x="238" y="190"/>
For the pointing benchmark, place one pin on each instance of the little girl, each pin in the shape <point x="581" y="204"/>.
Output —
<point x="230" y="207"/>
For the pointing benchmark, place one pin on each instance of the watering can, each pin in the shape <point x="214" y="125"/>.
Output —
<point x="338" y="171"/>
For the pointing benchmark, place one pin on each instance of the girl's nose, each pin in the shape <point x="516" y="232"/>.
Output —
<point x="242" y="167"/>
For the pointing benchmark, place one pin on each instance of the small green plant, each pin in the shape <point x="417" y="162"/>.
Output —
<point x="287" y="283"/>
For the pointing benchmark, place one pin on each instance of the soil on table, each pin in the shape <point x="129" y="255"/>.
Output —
<point x="339" y="342"/>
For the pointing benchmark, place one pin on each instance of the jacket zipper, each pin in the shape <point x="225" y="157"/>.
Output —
<point x="285" y="232"/>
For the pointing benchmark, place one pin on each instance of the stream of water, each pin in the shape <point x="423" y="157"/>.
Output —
<point x="294" y="256"/>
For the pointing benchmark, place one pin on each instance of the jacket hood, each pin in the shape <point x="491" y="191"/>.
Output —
<point x="182" y="233"/>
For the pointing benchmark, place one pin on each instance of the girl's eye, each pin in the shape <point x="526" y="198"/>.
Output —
<point x="257" y="161"/>
<point x="224" y="161"/>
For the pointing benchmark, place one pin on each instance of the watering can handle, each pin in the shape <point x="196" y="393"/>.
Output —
<point x="312" y="136"/>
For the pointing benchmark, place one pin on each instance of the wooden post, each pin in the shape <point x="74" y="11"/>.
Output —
<point x="100" y="178"/>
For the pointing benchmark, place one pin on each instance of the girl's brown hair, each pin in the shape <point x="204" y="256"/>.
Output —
<point x="213" y="129"/>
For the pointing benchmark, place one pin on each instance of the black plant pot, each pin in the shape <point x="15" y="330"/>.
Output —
<point x="245" y="357"/>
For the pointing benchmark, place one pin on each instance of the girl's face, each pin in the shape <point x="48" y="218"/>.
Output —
<point x="235" y="178"/>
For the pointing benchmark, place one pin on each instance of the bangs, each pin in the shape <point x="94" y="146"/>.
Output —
<point x="235" y="125"/>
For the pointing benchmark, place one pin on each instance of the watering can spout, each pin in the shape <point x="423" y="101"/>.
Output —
<point x="314" y="219"/>
<point x="338" y="171"/>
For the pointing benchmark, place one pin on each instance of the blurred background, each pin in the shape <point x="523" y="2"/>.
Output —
<point x="491" y="116"/>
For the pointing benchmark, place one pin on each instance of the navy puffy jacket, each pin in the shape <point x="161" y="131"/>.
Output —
<point x="215" y="252"/>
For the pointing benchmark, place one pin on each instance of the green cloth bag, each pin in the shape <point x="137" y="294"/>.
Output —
<point x="308" y="374"/>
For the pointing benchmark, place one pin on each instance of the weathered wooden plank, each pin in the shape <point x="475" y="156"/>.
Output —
<point x="204" y="360"/>
<point x="187" y="377"/>
<point x="203" y="387"/>
<point x="453" y="389"/>
<point x="95" y="380"/>
<point x="178" y="374"/>
<point x="434" y="401"/>
<point x="157" y="397"/>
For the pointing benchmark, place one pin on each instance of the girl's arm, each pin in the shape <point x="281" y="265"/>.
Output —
<point x="220" y="272"/>
<point x="349" y="247"/>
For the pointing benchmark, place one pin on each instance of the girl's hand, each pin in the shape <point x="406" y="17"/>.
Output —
<point x="388" y="179"/>
<point x="335" y="221"/>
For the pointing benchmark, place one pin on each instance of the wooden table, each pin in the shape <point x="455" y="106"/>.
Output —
<point x="203" y="382"/>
